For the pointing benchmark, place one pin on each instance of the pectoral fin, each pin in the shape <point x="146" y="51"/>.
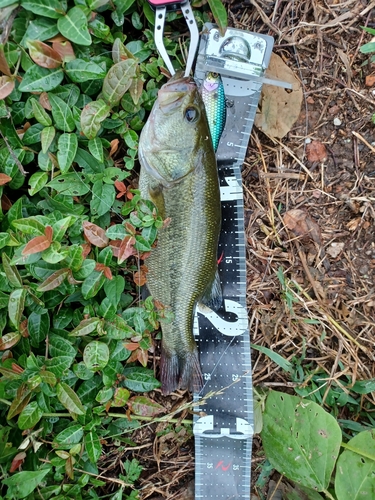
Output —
<point x="213" y="296"/>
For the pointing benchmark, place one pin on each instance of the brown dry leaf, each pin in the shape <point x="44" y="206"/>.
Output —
<point x="6" y="86"/>
<point x="4" y="179"/>
<point x="370" y="80"/>
<point x="114" y="147"/>
<point x="140" y="277"/>
<point x="37" y="244"/>
<point x="126" y="249"/>
<point x="279" y="109"/>
<point x="300" y="223"/>
<point x="316" y="151"/>
<point x="65" y="49"/>
<point x="354" y="223"/>
<point x="43" y="100"/>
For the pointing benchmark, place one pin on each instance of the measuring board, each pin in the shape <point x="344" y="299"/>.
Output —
<point x="223" y="436"/>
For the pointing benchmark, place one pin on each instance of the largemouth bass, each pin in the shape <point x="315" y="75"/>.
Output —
<point x="179" y="175"/>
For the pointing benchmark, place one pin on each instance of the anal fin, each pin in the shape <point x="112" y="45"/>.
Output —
<point x="213" y="297"/>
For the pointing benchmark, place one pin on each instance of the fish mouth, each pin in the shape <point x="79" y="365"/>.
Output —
<point x="171" y="93"/>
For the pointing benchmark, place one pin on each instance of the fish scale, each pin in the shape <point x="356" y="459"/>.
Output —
<point x="223" y="426"/>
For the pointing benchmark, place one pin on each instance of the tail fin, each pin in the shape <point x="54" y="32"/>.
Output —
<point x="180" y="373"/>
<point x="191" y="374"/>
<point x="169" y="372"/>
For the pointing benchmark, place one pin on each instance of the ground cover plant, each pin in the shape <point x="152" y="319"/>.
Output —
<point x="78" y="79"/>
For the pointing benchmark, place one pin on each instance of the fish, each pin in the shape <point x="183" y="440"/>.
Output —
<point x="179" y="175"/>
<point x="213" y="96"/>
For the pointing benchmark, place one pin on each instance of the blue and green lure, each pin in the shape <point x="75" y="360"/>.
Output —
<point x="213" y="96"/>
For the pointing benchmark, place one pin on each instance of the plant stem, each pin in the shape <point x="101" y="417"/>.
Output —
<point x="121" y="415"/>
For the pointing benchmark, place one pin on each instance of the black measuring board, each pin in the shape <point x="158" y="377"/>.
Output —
<point x="223" y="425"/>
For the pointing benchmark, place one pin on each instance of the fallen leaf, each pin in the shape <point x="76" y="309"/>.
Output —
<point x="140" y="277"/>
<point x="95" y="234"/>
<point x="114" y="147"/>
<point x="354" y="223"/>
<point x="279" y="109"/>
<point x="370" y="80"/>
<point x="335" y="249"/>
<point x="316" y="151"/>
<point x="300" y="223"/>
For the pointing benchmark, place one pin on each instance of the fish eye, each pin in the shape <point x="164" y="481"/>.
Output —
<point x="214" y="75"/>
<point x="191" y="114"/>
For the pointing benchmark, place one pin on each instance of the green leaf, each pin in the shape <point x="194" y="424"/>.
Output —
<point x="29" y="416"/>
<point x="114" y="288"/>
<point x="79" y="70"/>
<point x="93" y="446"/>
<point x="37" y="79"/>
<point x="62" y="115"/>
<point x="67" y="149"/>
<point x="11" y="272"/>
<point x="140" y="379"/>
<point x="4" y="239"/>
<point x="367" y="48"/>
<point x="47" y="8"/>
<point x="96" y="149"/>
<point x="16" y="306"/>
<point x="118" y="329"/>
<point x="32" y="134"/>
<point x="96" y="355"/>
<point x="40" y="113"/>
<point x="92" y="284"/>
<point x="300" y="439"/>
<point x="37" y="182"/>
<point x="275" y="357"/>
<point x="120" y="397"/>
<point x="103" y="197"/>
<point x="29" y="225"/>
<point x="220" y="15"/>
<point x="70" y="184"/>
<point x="85" y="327"/>
<point x="46" y="137"/>
<point x="38" y="327"/>
<point x="69" y="437"/>
<point x="118" y="80"/>
<point x="355" y="469"/>
<point x="364" y="386"/>
<point x="301" y="493"/>
<point x="74" y="27"/>
<point x="116" y="232"/>
<point x="21" y="484"/>
<point x="91" y="117"/>
<point x="41" y="29"/>
<point x="69" y="399"/>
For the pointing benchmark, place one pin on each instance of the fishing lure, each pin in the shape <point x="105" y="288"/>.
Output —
<point x="213" y="97"/>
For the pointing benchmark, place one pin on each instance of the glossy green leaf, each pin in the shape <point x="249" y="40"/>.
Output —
<point x="22" y="484"/>
<point x="118" y="80"/>
<point x="11" y="272"/>
<point x="120" y="397"/>
<point x="29" y="225"/>
<point x="37" y="182"/>
<point x="85" y="327"/>
<point x="67" y="149"/>
<point x="37" y="79"/>
<point x="117" y="328"/>
<point x="69" y="399"/>
<point x="74" y="27"/>
<point x="4" y="239"/>
<point x="62" y="114"/>
<point x="275" y="357"/>
<point x="54" y="280"/>
<point x="30" y="416"/>
<point x="69" y="437"/>
<point x="96" y="355"/>
<point x="47" y="8"/>
<point x="47" y="135"/>
<point x="41" y="114"/>
<point x="92" y="284"/>
<point x="93" y="446"/>
<point x="300" y="439"/>
<point x="32" y="134"/>
<point x="103" y="197"/>
<point x="70" y="184"/>
<point x="96" y="149"/>
<point x="38" y="327"/>
<point x="92" y="116"/>
<point x="79" y="70"/>
<point x="140" y="379"/>
<point x="16" y="306"/>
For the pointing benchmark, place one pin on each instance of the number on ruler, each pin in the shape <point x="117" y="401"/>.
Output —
<point x="233" y="190"/>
